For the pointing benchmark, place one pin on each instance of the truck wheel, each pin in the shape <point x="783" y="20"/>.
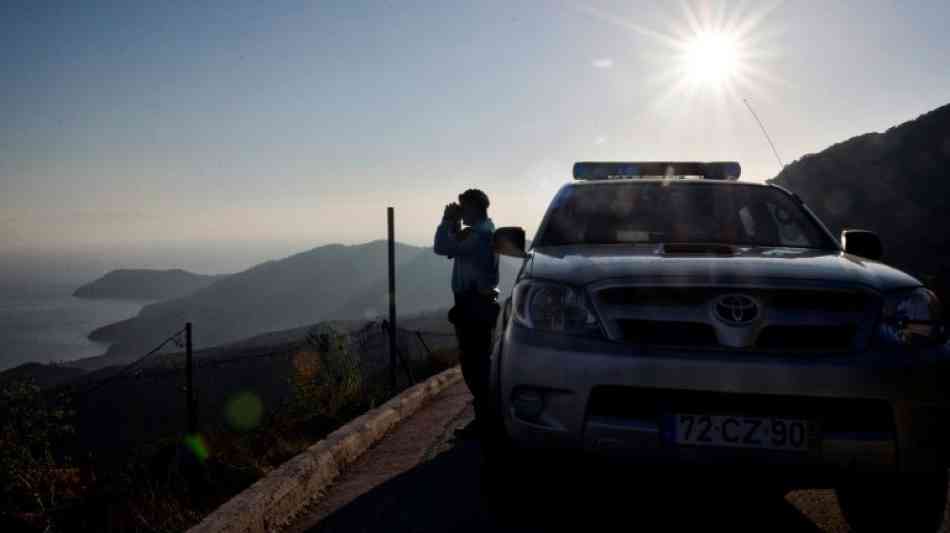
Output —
<point x="908" y="502"/>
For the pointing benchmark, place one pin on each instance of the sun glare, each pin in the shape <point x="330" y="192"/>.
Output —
<point x="709" y="51"/>
<point x="710" y="57"/>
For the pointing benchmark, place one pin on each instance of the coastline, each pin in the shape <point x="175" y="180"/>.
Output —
<point x="44" y="323"/>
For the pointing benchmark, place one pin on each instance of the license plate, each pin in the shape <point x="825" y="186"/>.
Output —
<point x="741" y="432"/>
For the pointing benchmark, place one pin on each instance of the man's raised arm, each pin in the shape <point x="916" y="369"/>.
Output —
<point x="447" y="240"/>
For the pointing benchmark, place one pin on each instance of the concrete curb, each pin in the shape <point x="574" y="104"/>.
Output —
<point x="271" y="502"/>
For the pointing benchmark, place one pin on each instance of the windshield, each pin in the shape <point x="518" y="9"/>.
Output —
<point x="664" y="212"/>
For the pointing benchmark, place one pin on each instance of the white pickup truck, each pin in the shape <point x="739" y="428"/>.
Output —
<point x="668" y="313"/>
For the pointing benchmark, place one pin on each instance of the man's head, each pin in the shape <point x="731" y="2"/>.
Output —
<point x="474" y="206"/>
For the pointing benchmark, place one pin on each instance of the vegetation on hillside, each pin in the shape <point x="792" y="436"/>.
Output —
<point x="895" y="183"/>
<point x="48" y="482"/>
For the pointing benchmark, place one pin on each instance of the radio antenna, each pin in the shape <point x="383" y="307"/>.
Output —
<point x="764" y="132"/>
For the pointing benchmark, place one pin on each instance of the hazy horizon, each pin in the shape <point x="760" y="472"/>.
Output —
<point x="293" y="125"/>
<point x="81" y="265"/>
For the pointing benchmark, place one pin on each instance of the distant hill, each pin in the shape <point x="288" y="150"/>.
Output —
<point x="144" y="284"/>
<point x="895" y="183"/>
<point x="422" y="284"/>
<point x="42" y="375"/>
<point x="333" y="282"/>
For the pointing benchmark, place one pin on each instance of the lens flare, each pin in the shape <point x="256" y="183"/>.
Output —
<point x="244" y="411"/>
<point x="197" y="445"/>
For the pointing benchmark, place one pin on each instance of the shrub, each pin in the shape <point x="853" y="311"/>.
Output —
<point x="36" y="475"/>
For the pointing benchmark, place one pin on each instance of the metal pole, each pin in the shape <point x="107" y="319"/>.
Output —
<point x="392" y="299"/>
<point x="189" y="385"/>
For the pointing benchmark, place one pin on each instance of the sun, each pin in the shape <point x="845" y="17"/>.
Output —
<point x="709" y="52"/>
<point x="710" y="58"/>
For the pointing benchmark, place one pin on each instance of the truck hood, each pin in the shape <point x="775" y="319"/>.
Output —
<point x="583" y="264"/>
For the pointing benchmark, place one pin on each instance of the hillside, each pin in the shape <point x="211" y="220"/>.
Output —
<point x="329" y="282"/>
<point x="144" y="284"/>
<point x="42" y="375"/>
<point x="895" y="183"/>
<point x="422" y="284"/>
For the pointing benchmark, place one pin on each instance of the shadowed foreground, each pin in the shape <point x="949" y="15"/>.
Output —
<point x="444" y="494"/>
<point x="419" y="479"/>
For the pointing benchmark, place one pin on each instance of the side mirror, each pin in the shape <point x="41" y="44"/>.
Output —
<point x="862" y="243"/>
<point x="510" y="241"/>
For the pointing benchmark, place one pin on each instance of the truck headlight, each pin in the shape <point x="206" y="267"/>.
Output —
<point x="553" y="307"/>
<point x="913" y="318"/>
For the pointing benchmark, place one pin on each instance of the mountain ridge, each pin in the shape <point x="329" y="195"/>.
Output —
<point x="895" y="183"/>
<point x="144" y="284"/>
<point x="329" y="282"/>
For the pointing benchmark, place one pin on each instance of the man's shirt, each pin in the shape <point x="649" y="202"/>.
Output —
<point x="476" y="263"/>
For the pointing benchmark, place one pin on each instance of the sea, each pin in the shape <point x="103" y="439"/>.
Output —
<point x="41" y="321"/>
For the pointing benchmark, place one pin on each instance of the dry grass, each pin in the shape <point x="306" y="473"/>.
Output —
<point x="170" y="485"/>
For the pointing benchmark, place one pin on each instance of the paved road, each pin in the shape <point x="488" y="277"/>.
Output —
<point x="419" y="479"/>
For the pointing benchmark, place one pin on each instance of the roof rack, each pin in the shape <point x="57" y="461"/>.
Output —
<point x="712" y="170"/>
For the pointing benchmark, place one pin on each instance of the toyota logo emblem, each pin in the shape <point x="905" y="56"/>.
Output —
<point x="736" y="309"/>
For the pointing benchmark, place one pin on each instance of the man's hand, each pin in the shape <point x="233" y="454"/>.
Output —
<point x="453" y="212"/>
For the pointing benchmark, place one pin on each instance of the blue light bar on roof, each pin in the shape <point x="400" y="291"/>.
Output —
<point x="713" y="170"/>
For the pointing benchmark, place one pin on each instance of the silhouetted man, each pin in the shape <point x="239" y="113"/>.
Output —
<point x="474" y="282"/>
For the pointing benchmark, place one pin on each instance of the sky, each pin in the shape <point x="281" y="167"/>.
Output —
<point x="211" y="135"/>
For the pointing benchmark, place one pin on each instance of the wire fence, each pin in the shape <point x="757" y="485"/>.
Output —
<point x="151" y="426"/>
<point x="369" y="343"/>
<point x="146" y="400"/>
<point x="129" y="369"/>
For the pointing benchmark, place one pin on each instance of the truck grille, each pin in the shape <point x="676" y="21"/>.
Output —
<point x="806" y="338"/>
<point x="780" y="299"/>
<point x="669" y="333"/>
<point x="791" y="319"/>
<point x="698" y="335"/>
